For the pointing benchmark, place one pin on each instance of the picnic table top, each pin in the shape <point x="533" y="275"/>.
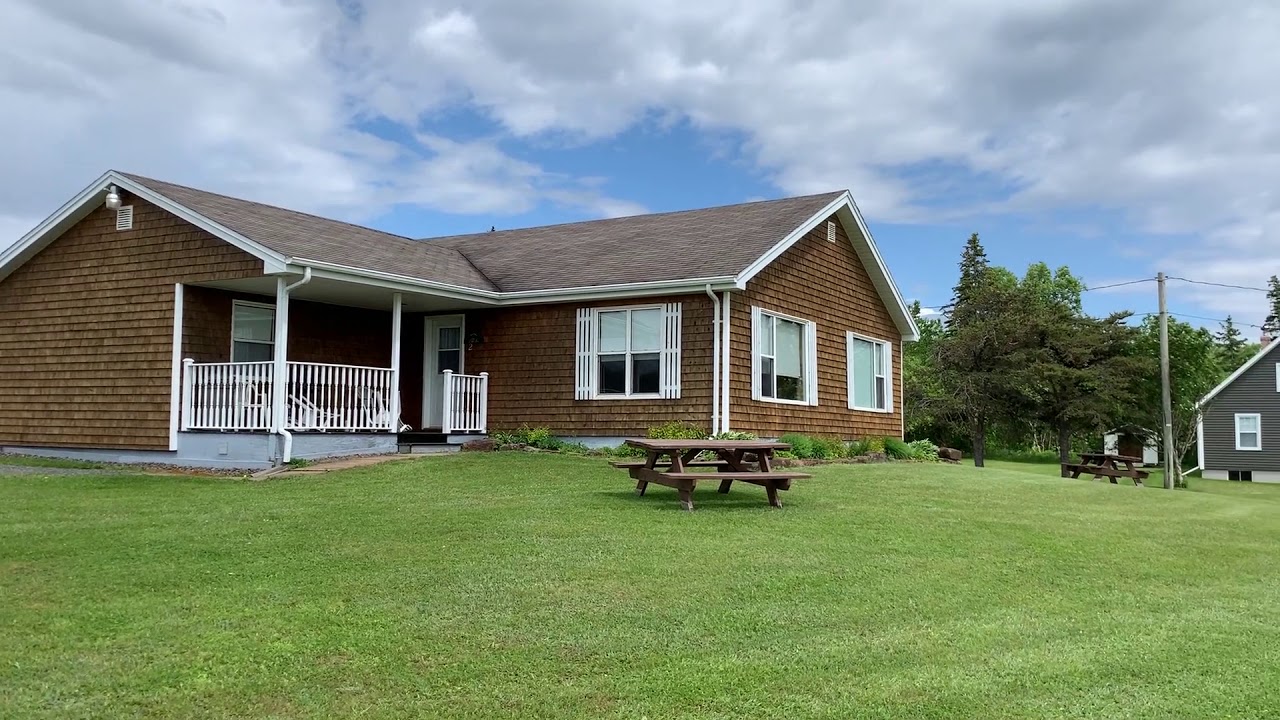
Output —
<point x="652" y="444"/>
<point x="1110" y="456"/>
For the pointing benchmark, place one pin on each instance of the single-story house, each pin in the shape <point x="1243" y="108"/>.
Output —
<point x="1239" y="419"/>
<point x="147" y="321"/>
<point x="1134" y="442"/>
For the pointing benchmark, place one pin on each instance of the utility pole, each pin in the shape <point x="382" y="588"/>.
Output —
<point x="1166" y="392"/>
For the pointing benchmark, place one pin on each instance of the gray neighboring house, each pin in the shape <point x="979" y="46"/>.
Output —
<point x="1239" y="436"/>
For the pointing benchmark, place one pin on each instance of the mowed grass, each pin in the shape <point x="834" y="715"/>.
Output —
<point x="510" y="585"/>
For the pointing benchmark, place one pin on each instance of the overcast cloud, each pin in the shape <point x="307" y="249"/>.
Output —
<point x="1163" y="111"/>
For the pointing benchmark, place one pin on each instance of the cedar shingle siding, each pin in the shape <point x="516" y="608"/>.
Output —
<point x="1253" y="392"/>
<point x="826" y="283"/>
<point x="86" y="329"/>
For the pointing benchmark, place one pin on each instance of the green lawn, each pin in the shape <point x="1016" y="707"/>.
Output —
<point x="508" y="585"/>
<point x="33" y="461"/>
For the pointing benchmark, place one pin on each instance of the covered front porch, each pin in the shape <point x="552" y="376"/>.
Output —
<point x="325" y="358"/>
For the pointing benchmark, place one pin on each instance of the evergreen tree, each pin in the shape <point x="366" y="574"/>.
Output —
<point x="1271" y="326"/>
<point x="1233" y="349"/>
<point x="974" y="269"/>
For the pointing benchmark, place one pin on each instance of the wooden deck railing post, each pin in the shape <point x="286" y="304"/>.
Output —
<point x="446" y="403"/>
<point x="484" y="403"/>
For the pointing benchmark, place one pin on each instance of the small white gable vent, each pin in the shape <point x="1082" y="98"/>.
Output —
<point x="831" y="231"/>
<point x="124" y="217"/>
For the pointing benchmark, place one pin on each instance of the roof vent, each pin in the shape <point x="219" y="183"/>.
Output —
<point x="124" y="217"/>
<point x="831" y="231"/>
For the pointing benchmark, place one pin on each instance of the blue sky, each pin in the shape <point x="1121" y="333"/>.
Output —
<point x="1119" y="139"/>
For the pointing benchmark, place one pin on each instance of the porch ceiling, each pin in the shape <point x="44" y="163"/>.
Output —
<point x="337" y="292"/>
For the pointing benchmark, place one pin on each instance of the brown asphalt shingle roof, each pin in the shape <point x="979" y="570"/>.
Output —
<point x="299" y="235"/>
<point x="685" y="245"/>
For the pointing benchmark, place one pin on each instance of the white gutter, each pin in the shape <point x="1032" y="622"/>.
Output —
<point x="715" y="361"/>
<point x="726" y="325"/>
<point x="280" y="372"/>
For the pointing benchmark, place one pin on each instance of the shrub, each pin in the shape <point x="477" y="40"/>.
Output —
<point x="829" y="448"/>
<point x="801" y="445"/>
<point x="733" y="435"/>
<point x="924" y="450"/>
<point x="897" y="449"/>
<point x="677" y="431"/>
<point x="540" y="438"/>
<point x="1025" y="456"/>
<point x="859" y="447"/>
<point x="875" y="445"/>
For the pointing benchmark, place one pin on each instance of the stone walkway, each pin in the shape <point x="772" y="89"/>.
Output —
<point x="31" y="470"/>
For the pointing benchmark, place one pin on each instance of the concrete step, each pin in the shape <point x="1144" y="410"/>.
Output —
<point x="427" y="448"/>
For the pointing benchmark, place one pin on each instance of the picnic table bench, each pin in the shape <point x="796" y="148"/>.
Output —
<point x="1101" y="464"/>
<point x="676" y="464"/>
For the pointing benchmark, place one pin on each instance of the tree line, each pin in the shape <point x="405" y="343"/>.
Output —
<point x="1014" y="363"/>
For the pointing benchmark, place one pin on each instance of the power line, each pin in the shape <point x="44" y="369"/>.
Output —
<point x="1201" y="317"/>
<point x="1221" y="285"/>
<point x="1119" y="284"/>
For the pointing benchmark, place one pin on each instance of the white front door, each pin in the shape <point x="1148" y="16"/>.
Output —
<point x="443" y="351"/>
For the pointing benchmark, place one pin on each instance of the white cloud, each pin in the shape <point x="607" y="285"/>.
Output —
<point x="1162" y="111"/>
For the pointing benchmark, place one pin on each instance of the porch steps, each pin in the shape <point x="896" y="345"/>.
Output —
<point x="425" y="443"/>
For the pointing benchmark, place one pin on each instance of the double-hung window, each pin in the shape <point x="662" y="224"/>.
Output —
<point x="1248" y="431"/>
<point x="870" y="365"/>
<point x="253" y="332"/>
<point x="629" y="352"/>
<point x="784" y="358"/>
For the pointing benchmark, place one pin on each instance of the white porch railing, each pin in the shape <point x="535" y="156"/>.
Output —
<point x="318" y="396"/>
<point x="465" y="402"/>
<point x="226" y="396"/>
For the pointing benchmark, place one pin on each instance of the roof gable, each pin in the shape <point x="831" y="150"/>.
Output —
<point x="1231" y="379"/>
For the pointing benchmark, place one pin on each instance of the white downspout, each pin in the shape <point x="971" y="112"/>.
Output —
<point x="280" y="358"/>
<point x="725" y="326"/>
<point x="715" y="361"/>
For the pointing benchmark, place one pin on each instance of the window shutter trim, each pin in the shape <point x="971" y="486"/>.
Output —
<point x="848" y="354"/>
<point x="888" y="377"/>
<point x="586" y="345"/>
<point x="755" y="352"/>
<point x="670" y="365"/>
<point x="811" y="363"/>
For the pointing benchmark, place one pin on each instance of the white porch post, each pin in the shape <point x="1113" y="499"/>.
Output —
<point x="446" y="403"/>
<point x="175" y="381"/>
<point x="397" y="303"/>
<point x="279" y="374"/>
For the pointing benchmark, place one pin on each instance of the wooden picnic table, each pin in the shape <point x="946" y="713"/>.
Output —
<point x="1102" y="464"/>
<point x="749" y="461"/>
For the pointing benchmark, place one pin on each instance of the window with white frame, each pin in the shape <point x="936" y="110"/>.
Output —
<point x="629" y="352"/>
<point x="784" y="358"/>
<point x="870" y="369"/>
<point x="253" y="332"/>
<point x="1248" y="431"/>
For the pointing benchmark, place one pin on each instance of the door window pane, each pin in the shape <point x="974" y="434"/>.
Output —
<point x="645" y="369"/>
<point x="449" y="360"/>
<point x="449" y="338"/>
<point x="646" y="330"/>
<point x="613" y="374"/>
<point x="613" y="332"/>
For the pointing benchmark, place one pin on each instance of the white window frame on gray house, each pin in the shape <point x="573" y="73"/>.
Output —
<point x="599" y="344"/>
<point x="1256" y="431"/>
<point x="241" y="336"/>
<point x="874" y="370"/>
<point x="765" y="357"/>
